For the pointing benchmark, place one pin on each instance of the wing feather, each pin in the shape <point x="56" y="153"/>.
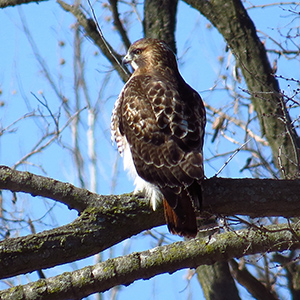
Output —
<point x="163" y="132"/>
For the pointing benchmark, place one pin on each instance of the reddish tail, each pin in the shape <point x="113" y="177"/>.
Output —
<point x="186" y="226"/>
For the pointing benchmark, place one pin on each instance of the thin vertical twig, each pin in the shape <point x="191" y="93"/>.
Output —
<point x="104" y="40"/>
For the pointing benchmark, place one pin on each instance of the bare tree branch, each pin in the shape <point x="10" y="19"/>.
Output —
<point x="112" y="220"/>
<point x="73" y="197"/>
<point x="146" y="264"/>
<point x="254" y="286"/>
<point x="118" y="23"/>
<point x="252" y="197"/>
<point x="233" y="22"/>
<point x="106" y="214"/>
<point x="221" y="196"/>
<point x="237" y="122"/>
<point x="6" y="3"/>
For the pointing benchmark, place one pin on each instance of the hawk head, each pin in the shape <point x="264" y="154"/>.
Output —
<point x="147" y="54"/>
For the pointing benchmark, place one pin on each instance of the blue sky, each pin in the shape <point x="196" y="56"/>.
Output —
<point x="23" y="79"/>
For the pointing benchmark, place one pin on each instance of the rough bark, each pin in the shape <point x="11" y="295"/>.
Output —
<point x="160" y="20"/>
<point x="6" y="3"/>
<point x="144" y="265"/>
<point x="221" y="196"/>
<point x="222" y="287"/>
<point x="91" y="232"/>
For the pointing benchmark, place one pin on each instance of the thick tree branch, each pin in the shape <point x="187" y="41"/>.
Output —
<point x="112" y="220"/>
<point x="221" y="196"/>
<point x="6" y="3"/>
<point x="252" y="197"/>
<point x="144" y="265"/>
<point x="107" y="214"/>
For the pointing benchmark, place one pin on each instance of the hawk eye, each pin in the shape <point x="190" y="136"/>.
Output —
<point x="137" y="51"/>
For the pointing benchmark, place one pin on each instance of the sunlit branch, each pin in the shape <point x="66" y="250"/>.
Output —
<point x="164" y="259"/>
<point x="7" y="3"/>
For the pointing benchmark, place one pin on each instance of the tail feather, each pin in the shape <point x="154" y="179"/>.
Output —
<point x="181" y="207"/>
<point x="186" y="226"/>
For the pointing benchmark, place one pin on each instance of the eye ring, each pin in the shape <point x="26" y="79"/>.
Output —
<point x="137" y="51"/>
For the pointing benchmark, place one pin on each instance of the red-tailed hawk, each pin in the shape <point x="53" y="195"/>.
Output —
<point x="158" y="123"/>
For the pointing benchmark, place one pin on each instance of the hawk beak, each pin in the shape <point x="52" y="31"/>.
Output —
<point x="126" y="60"/>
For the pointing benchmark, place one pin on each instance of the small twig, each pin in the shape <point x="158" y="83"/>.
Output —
<point x="7" y="128"/>
<point x="104" y="40"/>
<point x="36" y="150"/>
<point x="45" y="104"/>
<point x="238" y="123"/>
<point x="231" y="157"/>
<point x="283" y="51"/>
<point x="272" y="4"/>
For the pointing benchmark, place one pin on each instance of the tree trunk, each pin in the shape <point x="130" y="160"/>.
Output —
<point x="217" y="282"/>
<point x="160" y="20"/>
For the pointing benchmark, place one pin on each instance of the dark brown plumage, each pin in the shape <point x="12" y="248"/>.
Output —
<point x="158" y="123"/>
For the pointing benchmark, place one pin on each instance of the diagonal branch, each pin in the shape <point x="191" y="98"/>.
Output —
<point x="253" y="285"/>
<point x="118" y="23"/>
<point x="111" y="221"/>
<point x="146" y="264"/>
<point x="91" y="29"/>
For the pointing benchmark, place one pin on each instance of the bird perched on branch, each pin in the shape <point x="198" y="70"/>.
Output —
<point x="158" y="124"/>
